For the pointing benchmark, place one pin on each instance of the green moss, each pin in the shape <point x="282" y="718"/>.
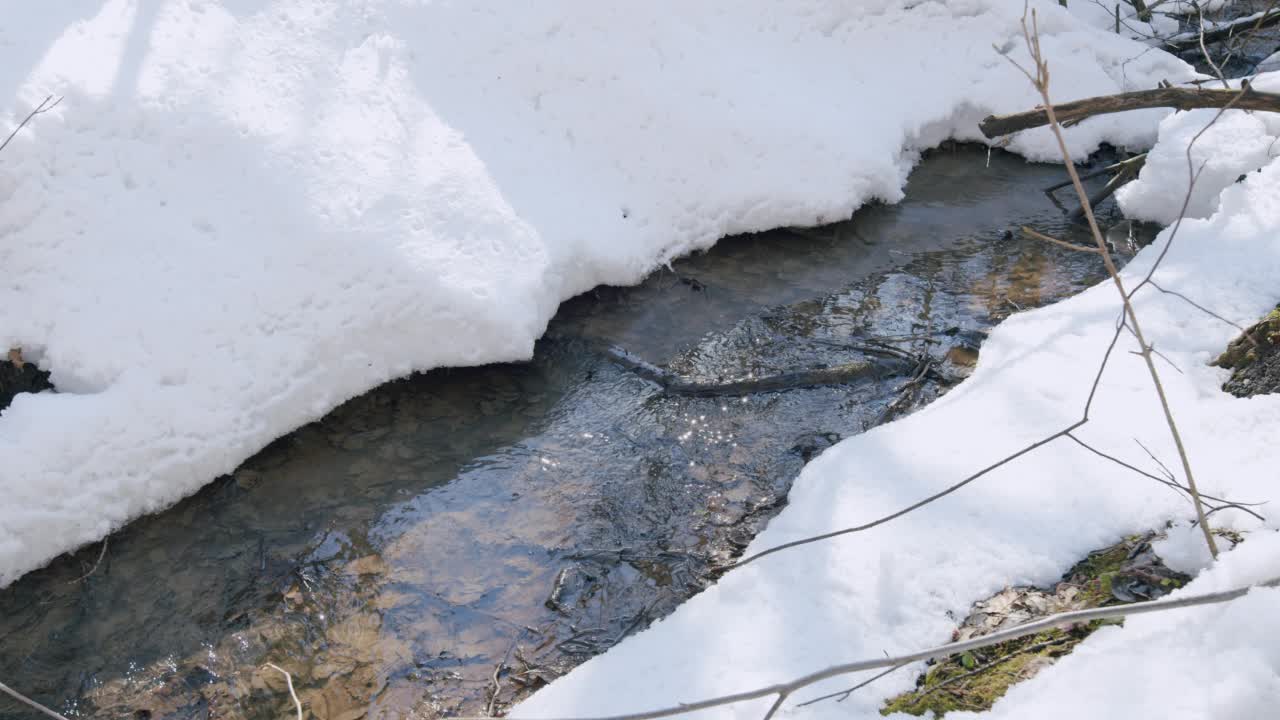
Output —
<point x="1271" y="326"/>
<point x="1242" y="352"/>
<point x="974" y="681"/>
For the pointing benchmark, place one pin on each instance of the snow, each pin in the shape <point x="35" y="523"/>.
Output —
<point x="1217" y="662"/>
<point x="245" y="212"/>
<point x="902" y="586"/>
<point x="1183" y="549"/>
<point x="1270" y="63"/>
<point x="1230" y="146"/>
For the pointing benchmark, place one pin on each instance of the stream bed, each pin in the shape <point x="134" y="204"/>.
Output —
<point x="447" y="543"/>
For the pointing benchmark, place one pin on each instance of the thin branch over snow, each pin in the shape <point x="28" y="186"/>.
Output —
<point x="786" y="689"/>
<point x="45" y="106"/>
<point x="1040" y="80"/>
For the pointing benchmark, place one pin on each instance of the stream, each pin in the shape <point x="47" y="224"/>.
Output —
<point x="447" y="543"/>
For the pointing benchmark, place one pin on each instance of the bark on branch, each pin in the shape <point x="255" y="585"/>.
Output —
<point x="1179" y="98"/>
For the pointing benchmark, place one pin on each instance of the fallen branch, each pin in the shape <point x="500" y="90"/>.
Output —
<point x="785" y="689"/>
<point x="1127" y="172"/>
<point x="1098" y="173"/>
<point x="1178" y="98"/>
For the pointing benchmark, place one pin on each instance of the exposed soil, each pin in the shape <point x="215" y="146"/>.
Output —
<point x="19" y="377"/>
<point x="1126" y="572"/>
<point x="1254" y="359"/>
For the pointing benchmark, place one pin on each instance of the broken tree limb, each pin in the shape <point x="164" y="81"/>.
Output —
<point x="1126" y="172"/>
<point x="1178" y="98"/>
<point x="1117" y="167"/>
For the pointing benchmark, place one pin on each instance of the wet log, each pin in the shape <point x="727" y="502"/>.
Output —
<point x="1179" y="98"/>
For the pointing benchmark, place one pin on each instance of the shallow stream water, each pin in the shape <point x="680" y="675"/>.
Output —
<point x="448" y="542"/>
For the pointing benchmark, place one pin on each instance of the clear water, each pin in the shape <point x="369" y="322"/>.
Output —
<point x="395" y="554"/>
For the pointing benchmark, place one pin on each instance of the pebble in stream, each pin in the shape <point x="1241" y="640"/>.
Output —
<point x="526" y="517"/>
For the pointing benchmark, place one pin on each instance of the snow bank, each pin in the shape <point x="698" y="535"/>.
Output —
<point x="1230" y="146"/>
<point x="1220" y="662"/>
<point x="244" y="213"/>
<point x="902" y="586"/>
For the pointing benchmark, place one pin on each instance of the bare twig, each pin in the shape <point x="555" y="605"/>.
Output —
<point x="297" y="704"/>
<point x="1041" y="82"/>
<point x="29" y="702"/>
<point x="1179" y="98"/>
<point x="1116" y="167"/>
<point x="785" y="689"/>
<point x="1220" y="503"/>
<point x="914" y="506"/>
<point x="45" y="106"/>
<point x="1127" y="172"/>
<point x="1200" y="40"/>
<point x="1243" y="331"/>
<point x="844" y="694"/>
<point x="988" y="665"/>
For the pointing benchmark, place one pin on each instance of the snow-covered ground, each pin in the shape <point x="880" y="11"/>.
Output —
<point x="902" y="586"/>
<point x="245" y="212"/>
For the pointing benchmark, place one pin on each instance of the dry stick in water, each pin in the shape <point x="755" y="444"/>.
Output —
<point x="29" y="702"/>
<point x="1041" y="82"/>
<point x="786" y="689"/>
<point x="297" y="704"/>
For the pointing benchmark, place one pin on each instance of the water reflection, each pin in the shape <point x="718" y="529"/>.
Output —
<point x="449" y="541"/>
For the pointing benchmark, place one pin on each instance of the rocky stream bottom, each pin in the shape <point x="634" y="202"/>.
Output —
<point x="449" y="542"/>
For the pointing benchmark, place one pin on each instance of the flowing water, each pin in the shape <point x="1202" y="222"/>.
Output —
<point x="448" y="542"/>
